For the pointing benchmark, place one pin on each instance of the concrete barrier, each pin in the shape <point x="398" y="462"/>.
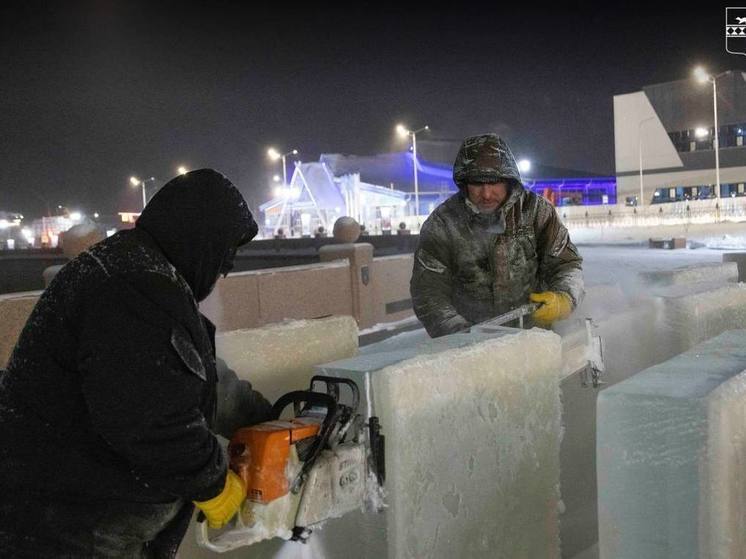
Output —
<point x="740" y="259"/>
<point x="15" y="310"/>
<point x="391" y="298"/>
<point x="251" y="299"/>
<point x="372" y="290"/>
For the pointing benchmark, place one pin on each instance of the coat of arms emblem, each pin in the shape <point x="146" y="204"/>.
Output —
<point x="735" y="30"/>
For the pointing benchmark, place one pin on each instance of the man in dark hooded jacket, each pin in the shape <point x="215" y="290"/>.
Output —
<point x="109" y="398"/>
<point x="492" y="247"/>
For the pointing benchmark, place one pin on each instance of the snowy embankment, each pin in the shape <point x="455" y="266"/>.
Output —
<point x="727" y="235"/>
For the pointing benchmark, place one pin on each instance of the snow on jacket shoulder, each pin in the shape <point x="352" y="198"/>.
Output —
<point x="469" y="267"/>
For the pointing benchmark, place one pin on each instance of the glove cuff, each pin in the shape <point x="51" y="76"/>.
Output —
<point x="234" y="487"/>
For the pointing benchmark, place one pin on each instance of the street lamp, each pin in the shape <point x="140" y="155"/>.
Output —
<point x="639" y="151"/>
<point x="134" y="181"/>
<point x="404" y="132"/>
<point x="274" y="155"/>
<point x="702" y="76"/>
<point x="182" y="170"/>
<point x="524" y="165"/>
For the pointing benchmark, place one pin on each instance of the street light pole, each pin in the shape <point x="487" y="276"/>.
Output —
<point x="703" y="77"/>
<point x="639" y="149"/>
<point x="274" y="155"/>
<point x="716" y="138"/>
<point x="403" y="131"/>
<point x="416" y="182"/>
<point x="134" y="181"/>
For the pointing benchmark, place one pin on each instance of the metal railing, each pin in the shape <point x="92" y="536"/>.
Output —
<point x="674" y="213"/>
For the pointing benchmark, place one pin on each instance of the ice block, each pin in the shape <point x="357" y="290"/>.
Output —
<point x="694" y="313"/>
<point x="695" y="273"/>
<point x="472" y="426"/>
<point x="279" y="358"/>
<point x="671" y="454"/>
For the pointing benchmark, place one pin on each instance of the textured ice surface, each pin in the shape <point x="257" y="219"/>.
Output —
<point x="721" y="271"/>
<point x="671" y="457"/>
<point x="279" y="358"/>
<point x="472" y="428"/>
<point x="394" y="350"/>
<point x="697" y="312"/>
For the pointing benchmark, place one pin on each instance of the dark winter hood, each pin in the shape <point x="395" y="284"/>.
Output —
<point x="485" y="159"/>
<point x="198" y="220"/>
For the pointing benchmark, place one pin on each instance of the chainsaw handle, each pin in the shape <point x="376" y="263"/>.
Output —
<point x="304" y="396"/>
<point x="332" y="388"/>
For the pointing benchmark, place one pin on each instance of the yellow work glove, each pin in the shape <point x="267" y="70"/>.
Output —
<point x="219" y="510"/>
<point x="555" y="306"/>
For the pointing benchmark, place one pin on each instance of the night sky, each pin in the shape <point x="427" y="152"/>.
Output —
<point x="94" y="92"/>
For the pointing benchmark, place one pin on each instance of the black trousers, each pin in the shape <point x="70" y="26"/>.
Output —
<point x="34" y="527"/>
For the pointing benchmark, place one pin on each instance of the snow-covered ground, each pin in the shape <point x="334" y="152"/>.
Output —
<point x="605" y="264"/>
<point x="728" y="235"/>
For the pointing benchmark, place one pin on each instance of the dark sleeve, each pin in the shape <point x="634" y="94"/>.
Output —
<point x="144" y="384"/>
<point x="239" y="405"/>
<point x="560" y="265"/>
<point x="432" y="282"/>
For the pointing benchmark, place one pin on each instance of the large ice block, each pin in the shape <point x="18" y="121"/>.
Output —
<point x="472" y="426"/>
<point x="695" y="273"/>
<point x="279" y="358"/>
<point x="694" y="313"/>
<point x="672" y="454"/>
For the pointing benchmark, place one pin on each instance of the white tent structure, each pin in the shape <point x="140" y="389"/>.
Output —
<point x="316" y="198"/>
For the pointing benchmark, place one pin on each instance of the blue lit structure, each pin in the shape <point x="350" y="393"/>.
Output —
<point x="588" y="191"/>
<point x="436" y="180"/>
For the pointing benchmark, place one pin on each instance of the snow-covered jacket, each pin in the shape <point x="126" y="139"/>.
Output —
<point x="469" y="266"/>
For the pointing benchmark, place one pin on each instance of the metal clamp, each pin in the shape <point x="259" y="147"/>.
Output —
<point x="591" y="374"/>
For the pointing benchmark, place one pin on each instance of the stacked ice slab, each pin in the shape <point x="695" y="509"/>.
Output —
<point x="279" y="358"/>
<point x="712" y="272"/>
<point x="472" y="426"/>
<point x="693" y="313"/>
<point x="672" y="456"/>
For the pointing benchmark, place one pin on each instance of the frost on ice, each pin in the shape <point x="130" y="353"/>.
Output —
<point x="279" y="358"/>
<point x="472" y="426"/>
<point x="671" y="456"/>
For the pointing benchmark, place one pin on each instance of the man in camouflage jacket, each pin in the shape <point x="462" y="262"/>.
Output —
<point x="491" y="247"/>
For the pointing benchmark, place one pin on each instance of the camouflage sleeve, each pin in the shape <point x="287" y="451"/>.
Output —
<point x="431" y="283"/>
<point x="560" y="265"/>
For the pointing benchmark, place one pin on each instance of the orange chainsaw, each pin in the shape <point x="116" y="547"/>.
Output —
<point x="299" y="471"/>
